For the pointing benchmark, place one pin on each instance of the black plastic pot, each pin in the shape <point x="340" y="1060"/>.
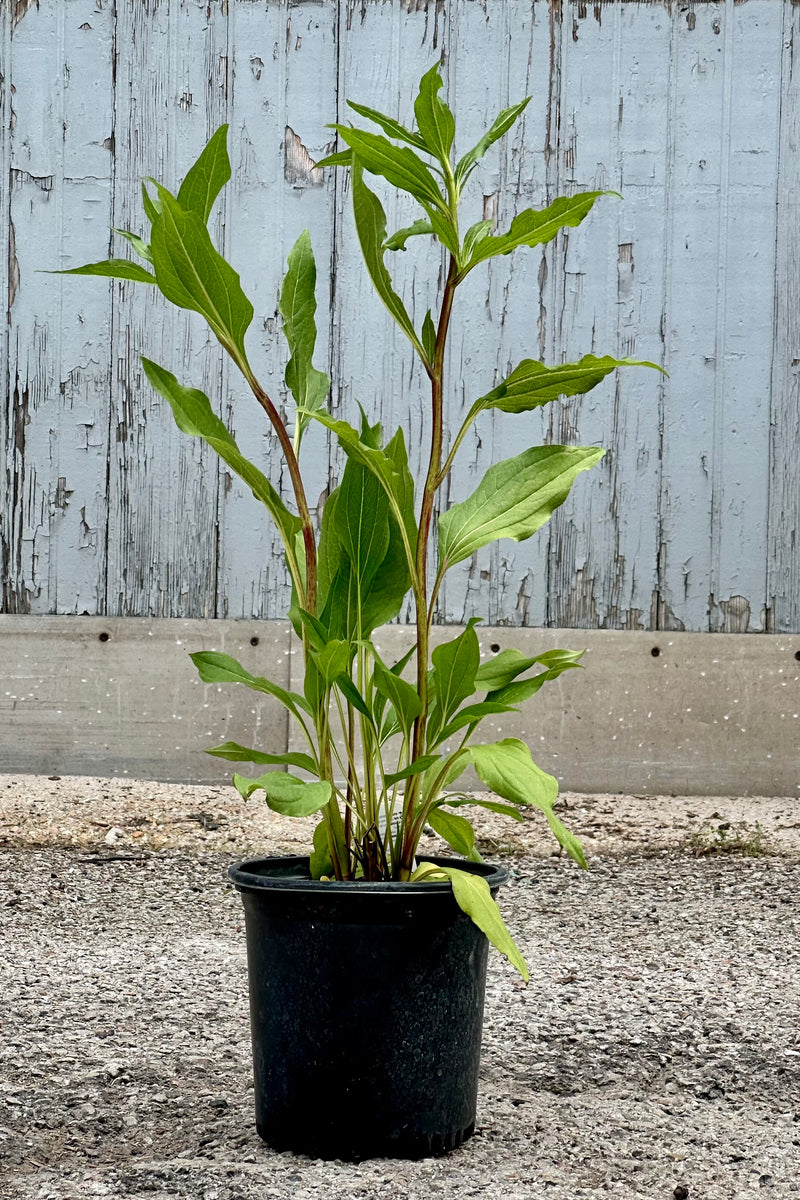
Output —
<point x="366" y="1011"/>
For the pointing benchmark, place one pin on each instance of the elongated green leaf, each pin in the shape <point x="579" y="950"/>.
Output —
<point x="505" y="810"/>
<point x="501" y="124"/>
<point x="435" y="120"/>
<point x="397" y="164"/>
<point x="286" y="794"/>
<point x="401" y="695"/>
<point x="523" y="689"/>
<point x="298" y="305"/>
<point x="444" y="228"/>
<point x="429" y="336"/>
<point x="415" y="768"/>
<point x="152" y="207"/>
<point x="508" y="664"/>
<point x="343" y="158"/>
<point x="456" y="831"/>
<point x="233" y="752"/>
<point x="534" y="227"/>
<point x="507" y="768"/>
<point x="389" y="126"/>
<point x="321" y="862"/>
<point x="191" y="273"/>
<point x="113" y="268"/>
<point x="514" y="499"/>
<point x="472" y="714"/>
<point x="354" y="697"/>
<point x="333" y="660"/>
<point x="455" y="664"/>
<point x="532" y="384"/>
<point x="474" y="236"/>
<point x="194" y="415"/>
<point x="214" y="667"/>
<point x="370" y="222"/>
<point x="398" y="240"/>
<point x="206" y="179"/>
<point x="473" y="897"/>
<point x="139" y="244"/>
<point x="456" y="767"/>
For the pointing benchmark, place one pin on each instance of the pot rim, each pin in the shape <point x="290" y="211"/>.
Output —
<point x="250" y="875"/>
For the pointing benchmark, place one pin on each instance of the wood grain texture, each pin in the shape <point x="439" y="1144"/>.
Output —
<point x="691" y="522"/>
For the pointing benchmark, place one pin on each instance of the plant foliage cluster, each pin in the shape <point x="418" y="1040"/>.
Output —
<point x="384" y="742"/>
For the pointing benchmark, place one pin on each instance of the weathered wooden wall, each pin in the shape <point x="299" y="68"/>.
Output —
<point x="691" y="110"/>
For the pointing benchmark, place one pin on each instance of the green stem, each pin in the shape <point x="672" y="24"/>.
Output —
<point x="421" y="564"/>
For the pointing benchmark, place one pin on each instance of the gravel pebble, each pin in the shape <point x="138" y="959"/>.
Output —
<point x="654" y="1054"/>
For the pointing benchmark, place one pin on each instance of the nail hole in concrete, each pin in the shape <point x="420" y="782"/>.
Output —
<point x="253" y="641"/>
<point x="797" y="655"/>
<point x="495" y="646"/>
<point x="103" y="637"/>
<point x="655" y="652"/>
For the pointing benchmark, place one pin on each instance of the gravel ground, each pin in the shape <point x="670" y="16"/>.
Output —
<point x="655" y="1052"/>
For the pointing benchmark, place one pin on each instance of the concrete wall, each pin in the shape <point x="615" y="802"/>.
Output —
<point x="691" y="110"/>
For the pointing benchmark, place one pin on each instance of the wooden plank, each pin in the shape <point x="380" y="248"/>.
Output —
<point x="55" y="426"/>
<point x="500" y="317"/>
<point x="608" y="279"/>
<point x="383" y="52"/>
<point x="114" y="697"/>
<point x="745" y="316"/>
<point x="283" y="60"/>
<point x="783" y="542"/>
<point x="171" y="70"/>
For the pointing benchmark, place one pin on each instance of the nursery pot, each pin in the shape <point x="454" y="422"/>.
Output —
<point x="366" y="1009"/>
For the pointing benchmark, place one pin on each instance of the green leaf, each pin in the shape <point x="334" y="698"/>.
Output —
<point x="333" y="660"/>
<point x="114" y="268"/>
<point x="472" y="715"/>
<point x="473" y="896"/>
<point x="505" y="810"/>
<point x="534" y="227"/>
<point x="363" y="568"/>
<point x="399" y="693"/>
<point x="214" y="667"/>
<point x="435" y="120"/>
<point x="501" y="124"/>
<point x="513" y="500"/>
<point x="474" y="236"/>
<point x="499" y="671"/>
<point x="415" y="768"/>
<point x="354" y="697"/>
<point x="206" y="179"/>
<point x="397" y="164"/>
<point x="139" y="244"/>
<point x="233" y="752"/>
<point x="194" y="415"/>
<point x="191" y="273"/>
<point x="343" y="158"/>
<point x="398" y="240"/>
<point x="523" y="689"/>
<point x="370" y="222"/>
<point x="429" y="336"/>
<point x="455" y="664"/>
<point x="321" y="862"/>
<point x="532" y="384"/>
<point x="509" y="771"/>
<point x="456" y="831"/>
<point x="286" y="794"/>
<point x="298" y="306"/>
<point x="389" y="126"/>
<point x="445" y="229"/>
<point x="152" y="208"/>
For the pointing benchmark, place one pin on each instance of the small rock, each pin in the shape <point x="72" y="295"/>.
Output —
<point x="113" y="834"/>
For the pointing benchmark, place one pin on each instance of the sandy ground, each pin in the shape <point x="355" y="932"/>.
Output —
<point x="655" y="1053"/>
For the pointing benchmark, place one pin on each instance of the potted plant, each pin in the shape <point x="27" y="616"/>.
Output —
<point x="367" y="961"/>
